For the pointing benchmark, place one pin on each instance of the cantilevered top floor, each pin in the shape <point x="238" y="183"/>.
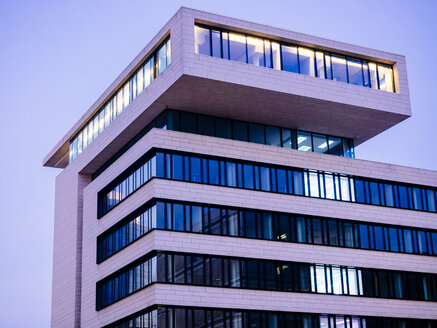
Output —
<point x="216" y="65"/>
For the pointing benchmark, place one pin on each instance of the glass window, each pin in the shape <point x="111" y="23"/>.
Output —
<point x="188" y="122"/>
<point x="379" y="238"/>
<point x="214" y="177"/>
<point x="385" y="75"/>
<point x="355" y="72"/>
<point x="335" y="146"/>
<point x="256" y="133"/>
<point x="289" y="59"/>
<point x="177" y="167"/>
<point x="255" y="51"/>
<point x="408" y="241"/>
<point x="202" y="40"/>
<point x="320" y="279"/>
<point x="196" y="170"/>
<point x="320" y="64"/>
<point x="366" y="75"/>
<point x="231" y="174"/>
<point x="393" y="233"/>
<point x="320" y="143"/>
<point x="306" y="61"/>
<point x="373" y="76"/>
<point x="328" y="67"/>
<point x="162" y="59"/>
<point x="225" y="45"/>
<point x="273" y="136"/>
<point x="206" y="125"/>
<point x="336" y="281"/>
<point x="216" y="42"/>
<point x="223" y="128"/>
<point x="304" y="142"/>
<point x="314" y="184"/>
<point x="276" y="56"/>
<point x="148" y="72"/>
<point x="339" y="71"/>
<point x="237" y="47"/>
<point x="240" y="130"/>
<point x="268" y="54"/>
<point x="248" y="176"/>
<point x="431" y="200"/>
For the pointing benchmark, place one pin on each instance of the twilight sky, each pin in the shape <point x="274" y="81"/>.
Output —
<point x="57" y="57"/>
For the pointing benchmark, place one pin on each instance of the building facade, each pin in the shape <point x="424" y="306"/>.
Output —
<point x="214" y="184"/>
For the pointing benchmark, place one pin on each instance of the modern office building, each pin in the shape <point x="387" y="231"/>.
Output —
<point x="214" y="184"/>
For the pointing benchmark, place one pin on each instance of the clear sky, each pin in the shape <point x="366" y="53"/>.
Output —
<point x="57" y="57"/>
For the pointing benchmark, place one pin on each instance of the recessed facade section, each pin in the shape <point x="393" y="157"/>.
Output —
<point x="214" y="184"/>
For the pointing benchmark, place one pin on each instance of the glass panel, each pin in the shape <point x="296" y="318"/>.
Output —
<point x="273" y="136"/>
<point x="355" y="72"/>
<point x="320" y="278"/>
<point x="306" y="61"/>
<point x="255" y="51"/>
<point x="289" y="59"/>
<point x="237" y="47"/>
<point x="339" y="72"/>
<point x="366" y="75"/>
<point x="314" y="184"/>
<point x="225" y="45"/>
<point x="223" y="128"/>
<point x="216" y="42"/>
<point x="276" y="56"/>
<point x="336" y="281"/>
<point x="206" y="125"/>
<point x="268" y="55"/>
<point x="240" y="130"/>
<point x="328" y="67"/>
<point x="373" y="76"/>
<point x="148" y="72"/>
<point x="256" y="133"/>
<point x="385" y="75"/>
<point x="320" y="143"/>
<point x="304" y="142"/>
<point x="202" y="41"/>
<point x="162" y="59"/>
<point x="320" y="63"/>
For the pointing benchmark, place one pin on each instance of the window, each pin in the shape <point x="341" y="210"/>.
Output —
<point x="289" y="59"/>
<point x="385" y="75"/>
<point x="255" y="51"/>
<point x="339" y="71"/>
<point x="237" y="47"/>
<point x="306" y="61"/>
<point x="202" y="40"/>
<point x="216" y="44"/>
<point x="355" y="72"/>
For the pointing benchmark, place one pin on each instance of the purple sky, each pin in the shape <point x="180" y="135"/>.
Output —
<point x="57" y="57"/>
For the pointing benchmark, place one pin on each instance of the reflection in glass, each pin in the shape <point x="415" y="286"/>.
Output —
<point x="276" y="56"/>
<point x="202" y="40"/>
<point x="304" y="142"/>
<point x="255" y="51"/>
<point x="216" y="44"/>
<point x="385" y="75"/>
<point x="289" y="59"/>
<point x="320" y="144"/>
<point x="339" y="72"/>
<point x="355" y="72"/>
<point x="373" y="76"/>
<point x="306" y="61"/>
<point x="320" y="63"/>
<point x="237" y="47"/>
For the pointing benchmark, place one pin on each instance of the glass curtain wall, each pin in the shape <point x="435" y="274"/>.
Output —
<point x="254" y="132"/>
<point x="292" y="58"/>
<point x="196" y="317"/>
<point x="232" y="272"/>
<point x="137" y="82"/>
<point x="263" y="177"/>
<point x="246" y="223"/>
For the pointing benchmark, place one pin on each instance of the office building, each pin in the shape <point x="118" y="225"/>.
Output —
<point x="214" y="184"/>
